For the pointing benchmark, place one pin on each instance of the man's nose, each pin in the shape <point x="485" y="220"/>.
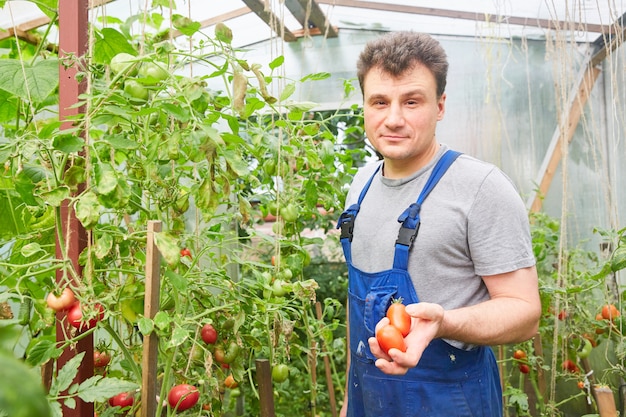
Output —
<point x="395" y="116"/>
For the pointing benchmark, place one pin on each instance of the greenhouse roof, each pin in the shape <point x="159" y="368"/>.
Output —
<point x="253" y="21"/>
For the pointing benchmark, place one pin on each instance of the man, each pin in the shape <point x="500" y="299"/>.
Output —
<point x="454" y="246"/>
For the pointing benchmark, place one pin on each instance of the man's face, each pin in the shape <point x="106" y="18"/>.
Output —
<point x="401" y="115"/>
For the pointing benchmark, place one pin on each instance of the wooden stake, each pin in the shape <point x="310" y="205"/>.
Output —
<point x="266" y="390"/>
<point x="151" y="307"/>
<point x="606" y="402"/>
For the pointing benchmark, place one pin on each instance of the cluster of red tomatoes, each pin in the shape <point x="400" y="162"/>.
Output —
<point x="392" y="335"/>
<point x="522" y="361"/>
<point x="76" y="316"/>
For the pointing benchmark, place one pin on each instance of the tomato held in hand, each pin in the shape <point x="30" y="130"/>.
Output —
<point x="208" y="334"/>
<point x="389" y="337"/>
<point x="63" y="301"/>
<point x="399" y="318"/>
<point x="182" y="397"/>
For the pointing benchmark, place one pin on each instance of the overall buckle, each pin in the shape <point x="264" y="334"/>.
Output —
<point x="406" y="235"/>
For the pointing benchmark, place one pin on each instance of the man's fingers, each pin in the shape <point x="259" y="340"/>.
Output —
<point x="376" y="350"/>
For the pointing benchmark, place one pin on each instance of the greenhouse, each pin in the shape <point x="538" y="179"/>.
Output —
<point x="180" y="187"/>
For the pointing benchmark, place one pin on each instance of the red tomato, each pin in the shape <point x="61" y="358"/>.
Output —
<point x="399" y="318"/>
<point x="563" y="314"/>
<point x="75" y="317"/>
<point x="570" y="366"/>
<point x="125" y="399"/>
<point x="519" y="354"/>
<point x="62" y="302"/>
<point x="100" y="359"/>
<point x="610" y="312"/>
<point x="523" y="368"/>
<point x="183" y="397"/>
<point x="389" y="337"/>
<point x="208" y="334"/>
<point x="185" y="252"/>
<point x="581" y="384"/>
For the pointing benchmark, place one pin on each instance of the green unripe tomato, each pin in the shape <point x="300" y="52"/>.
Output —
<point x="289" y="212"/>
<point x="280" y="373"/>
<point x="124" y="62"/>
<point x="153" y="72"/>
<point x="136" y="90"/>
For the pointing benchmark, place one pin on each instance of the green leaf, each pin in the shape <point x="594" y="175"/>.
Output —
<point x="43" y="351"/>
<point x="106" y="178"/>
<point x="88" y="209"/>
<point x="30" y="82"/>
<point x="185" y="25"/>
<point x="68" y="143"/>
<point x="120" y="142"/>
<point x="168" y="246"/>
<point x="179" y="282"/>
<point x="110" y="42"/>
<point x="56" y="196"/>
<point x="70" y="403"/>
<point x="316" y="77"/>
<point x="618" y="258"/>
<point x="277" y="62"/>
<point x="162" y="320"/>
<point x="146" y="326"/>
<point x="30" y="249"/>
<point x="99" y="389"/>
<point x="48" y="7"/>
<point x="66" y="375"/>
<point x="8" y="106"/>
<point x="288" y="91"/>
<point x="179" y="335"/>
<point x="176" y="111"/>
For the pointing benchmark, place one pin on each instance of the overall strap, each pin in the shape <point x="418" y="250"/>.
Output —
<point x="410" y="218"/>
<point x="346" y="220"/>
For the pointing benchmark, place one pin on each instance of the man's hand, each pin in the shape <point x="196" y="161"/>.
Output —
<point x="425" y="324"/>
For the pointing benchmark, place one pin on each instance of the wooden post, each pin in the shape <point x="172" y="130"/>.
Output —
<point x="606" y="401"/>
<point x="73" y="37"/>
<point x="151" y="307"/>
<point x="266" y="390"/>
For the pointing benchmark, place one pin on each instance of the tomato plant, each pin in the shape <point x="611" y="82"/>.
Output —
<point x="208" y="334"/>
<point x="61" y="302"/>
<point x="182" y="397"/>
<point x="399" y="318"/>
<point x="388" y="337"/>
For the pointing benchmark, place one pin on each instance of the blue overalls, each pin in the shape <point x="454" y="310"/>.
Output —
<point x="448" y="381"/>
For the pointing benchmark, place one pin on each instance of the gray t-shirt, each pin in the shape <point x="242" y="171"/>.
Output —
<point x="473" y="223"/>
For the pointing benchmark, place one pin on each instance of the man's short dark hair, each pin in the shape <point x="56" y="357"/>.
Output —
<point x="398" y="52"/>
